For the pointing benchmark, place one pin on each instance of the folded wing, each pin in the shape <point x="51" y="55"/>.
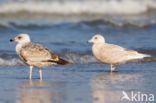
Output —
<point x="37" y="53"/>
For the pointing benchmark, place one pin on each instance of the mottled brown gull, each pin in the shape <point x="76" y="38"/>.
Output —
<point x="35" y="55"/>
<point x="112" y="54"/>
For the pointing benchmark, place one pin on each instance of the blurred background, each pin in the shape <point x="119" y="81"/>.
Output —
<point x="64" y="26"/>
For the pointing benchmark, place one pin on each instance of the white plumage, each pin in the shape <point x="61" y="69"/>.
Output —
<point x="113" y="54"/>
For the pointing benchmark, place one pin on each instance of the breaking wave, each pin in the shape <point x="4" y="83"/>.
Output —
<point x="78" y="7"/>
<point x="73" y="58"/>
<point x="27" y="14"/>
<point x="10" y="60"/>
<point x="96" y="23"/>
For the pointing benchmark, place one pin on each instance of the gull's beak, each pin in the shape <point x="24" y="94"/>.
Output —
<point x="89" y="41"/>
<point x="12" y="40"/>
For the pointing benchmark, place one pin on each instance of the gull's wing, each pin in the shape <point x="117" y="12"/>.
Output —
<point x="114" y="54"/>
<point x="37" y="53"/>
<point x="115" y="47"/>
<point x="112" y="50"/>
<point x="118" y="49"/>
<point x="118" y="53"/>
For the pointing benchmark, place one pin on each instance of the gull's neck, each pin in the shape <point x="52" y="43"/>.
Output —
<point x="96" y="48"/>
<point x="97" y="45"/>
<point x="19" y="46"/>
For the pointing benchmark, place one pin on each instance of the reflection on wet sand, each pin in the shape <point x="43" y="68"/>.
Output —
<point x="41" y="92"/>
<point x="108" y="88"/>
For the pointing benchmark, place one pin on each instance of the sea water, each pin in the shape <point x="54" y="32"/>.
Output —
<point x="64" y="26"/>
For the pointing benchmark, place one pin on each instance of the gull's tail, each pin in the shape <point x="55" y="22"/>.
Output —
<point x="62" y="62"/>
<point x="59" y="61"/>
<point x="135" y="55"/>
<point x="141" y="56"/>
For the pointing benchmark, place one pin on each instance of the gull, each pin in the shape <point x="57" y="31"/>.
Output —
<point x="35" y="55"/>
<point x="112" y="54"/>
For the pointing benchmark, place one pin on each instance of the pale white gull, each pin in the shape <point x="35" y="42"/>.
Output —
<point x="112" y="54"/>
<point x="35" y="55"/>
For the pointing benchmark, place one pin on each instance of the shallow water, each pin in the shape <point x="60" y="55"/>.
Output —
<point x="65" y="33"/>
<point x="85" y="83"/>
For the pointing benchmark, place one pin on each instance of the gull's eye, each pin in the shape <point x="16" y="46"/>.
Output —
<point x="19" y="37"/>
<point x="95" y="37"/>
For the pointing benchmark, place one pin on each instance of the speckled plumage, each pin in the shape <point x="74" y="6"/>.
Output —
<point x="35" y="55"/>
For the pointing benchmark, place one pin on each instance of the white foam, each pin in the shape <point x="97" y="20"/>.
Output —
<point x="80" y="7"/>
<point x="73" y="57"/>
<point x="11" y="62"/>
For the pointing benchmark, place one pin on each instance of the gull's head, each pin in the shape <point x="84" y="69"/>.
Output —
<point x="97" y="39"/>
<point x="21" y="38"/>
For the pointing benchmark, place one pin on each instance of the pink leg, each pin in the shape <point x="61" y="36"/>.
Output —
<point x="112" y="68"/>
<point x="30" y="72"/>
<point x="40" y="71"/>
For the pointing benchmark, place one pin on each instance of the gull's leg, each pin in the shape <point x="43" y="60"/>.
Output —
<point x="30" y="72"/>
<point x="40" y="71"/>
<point x="112" y="68"/>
